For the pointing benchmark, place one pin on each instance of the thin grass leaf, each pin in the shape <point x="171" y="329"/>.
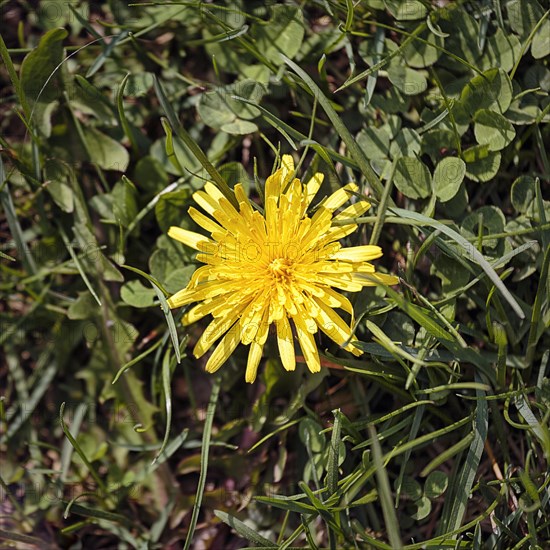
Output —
<point x="96" y="513"/>
<point x="24" y="252"/>
<point x="333" y="453"/>
<point x="384" y="491"/>
<point x="136" y="360"/>
<point x="287" y="131"/>
<point x="536" y="318"/>
<point x="31" y="401"/>
<point x="418" y="415"/>
<point x="243" y="530"/>
<point x="541" y="432"/>
<point x="109" y="48"/>
<point x="169" y="321"/>
<point x="354" y="149"/>
<point x="81" y="454"/>
<point x="192" y="144"/>
<point x="471" y="253"/>
<point x="67" y="449"/>
<point x="205" y="449"/>
<point x="455" y="509"/>
<point x="150" y="278"/>
<point x="78" y="265"/>
<point x="19" y="537"/>
<point x="122" y="114"/>
<point x="16" y="83"/>
<point x="166" y="376"/>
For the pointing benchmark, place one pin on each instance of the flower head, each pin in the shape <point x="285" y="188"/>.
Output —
<point x="278" y="268"/>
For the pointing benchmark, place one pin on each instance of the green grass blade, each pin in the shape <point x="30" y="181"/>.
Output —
<point x="205" y="449"/>
<point x="217" y="179"/>
<point x="166" y="390"/>
<point x="354" y="149"/>
<point x="78" y="265"/>
<point x="456" y="509"/>
<point x="470" y="250"/>
<point x="243" y="530"/>
<point x="333" y="455"/>
<point x="384" y="491"/>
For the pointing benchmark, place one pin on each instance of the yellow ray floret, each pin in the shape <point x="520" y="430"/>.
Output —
<point x="280" y="269"/>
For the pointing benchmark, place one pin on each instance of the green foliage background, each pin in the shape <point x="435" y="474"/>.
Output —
<point x="113" y="114"/>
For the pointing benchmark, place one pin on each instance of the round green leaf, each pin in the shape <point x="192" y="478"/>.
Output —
<point x="481" y="164"/>
<point x="463" y="31"/>
<point x="375" y="142"/>
<point x="406" y="144"/>
<point x="436" y="484"/>
<point x="178" y="278"/>
<point x="540" y="47"/>
<point x="239" y="127"/>
<point x="490" y="90"/>
<point x="310" y="434"/>
<point x="409" y="81"/>
<point x="493" y="129"/>
<point x="105" y="151"/>
<point x="412" y="178"/>
<point x="502" y="50"/>
<point x="523" y="16"/>
<point x="423" y="508"/>
<point x="411" y="488"/>
<point x="135" y="294"/>
<point x="523" y="194"/>
<point x="282" y="34"/>
<point x="411" y="10"/>
<point x="171" y="209"/>
<point x="492" y="221"/>
<point x="448" y="176"/>
<point x="419" y="54"/>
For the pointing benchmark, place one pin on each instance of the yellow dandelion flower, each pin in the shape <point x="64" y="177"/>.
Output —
<point x="278" y="268"/>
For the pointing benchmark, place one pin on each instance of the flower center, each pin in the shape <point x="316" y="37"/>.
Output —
<point x="280" y="269"/>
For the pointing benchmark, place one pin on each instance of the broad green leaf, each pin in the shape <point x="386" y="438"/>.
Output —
<point x="436" y="484"/>
<point x="448" y="177"/>
<point x="239" y="127"/>
<point x="135" y="294"/>
<point x="171" y="209"/>
<point x="492" y="129"/>
<point x="419" y="54"/>
<point x="409" y="81"/>
<point x="491" y="90"/>
<point x="41" y="81"/>
<point x="84" y="307"/>
<point x="310" y="433"/>
<point x="423" y="508"/>
<point x="411" y="10"/>
<point x="540" y="47"/>
<point x="124" y="201"/>
<point x="375" y="142"/>
<point x="218" y="109"/>
<point x="501" y="50"/>
<point x="282" y="34"/>
<point x="106" y="152"/>
<point x="481" y="164"/>
<point x="407" y="143"/>
<point x="522" y="195"/>
<point x="523" y="16"/>
<point x="463" y="31"/>
<point x="412" y="178"/>
<point x="178" y="278"/>
<point x="492" y="220"/>
<point x="58" y="176"/>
